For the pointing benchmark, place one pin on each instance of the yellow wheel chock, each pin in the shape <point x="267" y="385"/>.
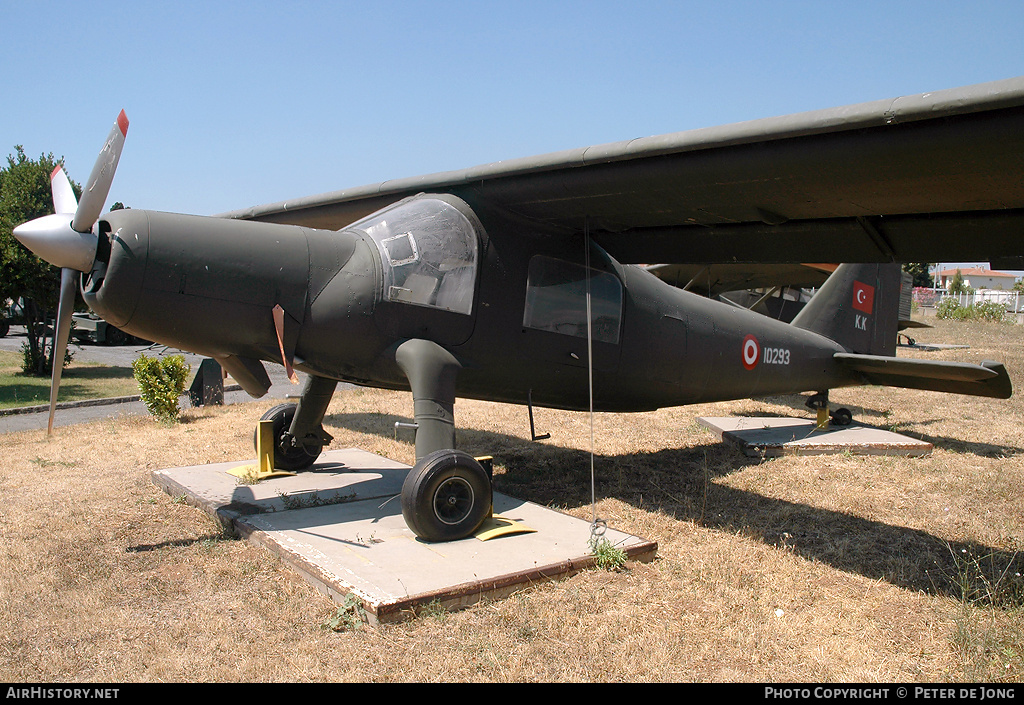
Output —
<point x="264" y="466"/>
<point x="496" y="525"/>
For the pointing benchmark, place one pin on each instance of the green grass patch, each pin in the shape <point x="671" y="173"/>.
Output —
<point x="78" y="381"/>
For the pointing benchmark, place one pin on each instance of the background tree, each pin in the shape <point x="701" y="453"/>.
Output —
<point x="957" y="284"/>
<point x="31" y="284"/>
<point x="921" y="272"/>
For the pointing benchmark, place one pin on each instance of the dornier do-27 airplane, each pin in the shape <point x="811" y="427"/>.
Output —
<point x="515" y="281"/>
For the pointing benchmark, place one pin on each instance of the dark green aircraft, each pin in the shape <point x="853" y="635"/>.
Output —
<point x="515" y="282"/>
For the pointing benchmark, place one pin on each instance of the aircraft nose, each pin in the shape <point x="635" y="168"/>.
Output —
<point x="53" y="239"/>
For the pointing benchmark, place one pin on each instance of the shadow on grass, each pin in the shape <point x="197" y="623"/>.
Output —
<point x="98" y="372"/>
<point x="177" y="543"/>
<point x="83" y="382"/>
<point x="679" y="483"/>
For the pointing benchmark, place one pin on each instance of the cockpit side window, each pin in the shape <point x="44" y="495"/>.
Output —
<point x="556" y="299"/>
<point x="429" y="252"/>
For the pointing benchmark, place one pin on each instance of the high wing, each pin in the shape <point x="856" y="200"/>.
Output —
<point x="932" y="177"/>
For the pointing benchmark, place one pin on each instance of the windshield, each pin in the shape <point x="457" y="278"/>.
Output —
<point x="428" y="249"/>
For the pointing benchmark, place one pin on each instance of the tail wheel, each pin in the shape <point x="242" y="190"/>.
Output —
<point x="842" y="417"/>
<point x="288" y="456"/>
<point x="446" y="496"/>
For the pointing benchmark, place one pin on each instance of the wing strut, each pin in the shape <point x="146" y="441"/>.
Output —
<point x="879" y="240"/>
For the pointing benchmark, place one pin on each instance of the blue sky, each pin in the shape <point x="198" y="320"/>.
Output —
<point x="234" y="104"/>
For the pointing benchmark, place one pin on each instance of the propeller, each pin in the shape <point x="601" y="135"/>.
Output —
<point x="66" y="238"/>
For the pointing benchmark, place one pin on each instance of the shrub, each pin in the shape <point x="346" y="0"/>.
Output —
<point x="37" y="362"/>
<point x="989" y="311"/>
<point x="161" y="382"/>
<point x="607" y="555"/>
<point x="950" y="309"/>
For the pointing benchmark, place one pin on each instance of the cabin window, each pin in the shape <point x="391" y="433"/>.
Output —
<point x="556" y="300"/>
<point x="428" y="250"/>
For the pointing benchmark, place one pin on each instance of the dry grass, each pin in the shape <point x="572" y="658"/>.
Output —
<point x="835" y="568"/>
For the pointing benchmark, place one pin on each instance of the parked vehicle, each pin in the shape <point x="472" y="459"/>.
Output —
<point x="88" y="327"/>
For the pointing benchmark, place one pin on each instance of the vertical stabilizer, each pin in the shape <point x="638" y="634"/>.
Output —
<point x="858" y="307"/>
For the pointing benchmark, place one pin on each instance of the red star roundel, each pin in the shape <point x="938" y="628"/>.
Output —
<point x="751" y="352"/>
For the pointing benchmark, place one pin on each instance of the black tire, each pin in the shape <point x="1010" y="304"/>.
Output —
<point x="290" y="458"/>
<point x="446" y="496"/>
<point x="842" y="417"/>
<point x="5" y="328"/>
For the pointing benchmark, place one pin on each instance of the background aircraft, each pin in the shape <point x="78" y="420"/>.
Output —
<point x="512" y="281"/>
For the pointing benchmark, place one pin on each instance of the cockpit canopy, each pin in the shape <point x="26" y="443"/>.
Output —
<point x="429" y="251"/>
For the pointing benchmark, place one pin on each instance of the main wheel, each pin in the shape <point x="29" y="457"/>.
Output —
<point x="287" y="456"/>
<point x="446" y="496"/>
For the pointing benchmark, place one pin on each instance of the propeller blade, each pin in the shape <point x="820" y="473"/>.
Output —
<point x="65" y="239"/>
<point x="64" y="200"/>
<point x="66" y="306"/>
<point x="98" y="185"/>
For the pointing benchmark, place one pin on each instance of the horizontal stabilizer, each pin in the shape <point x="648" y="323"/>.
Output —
<point x="989" y="379"/>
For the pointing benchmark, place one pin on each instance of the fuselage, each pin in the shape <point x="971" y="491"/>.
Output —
<point x="508" y="300"/>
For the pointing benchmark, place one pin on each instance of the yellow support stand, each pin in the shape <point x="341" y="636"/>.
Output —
<point x="264" y="466"/>
<point x="823" y="417"/>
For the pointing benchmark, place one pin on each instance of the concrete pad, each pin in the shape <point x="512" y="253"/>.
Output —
<point x="337" y="476"/>
<point x="773" y="436"/>
<point x="340" y="526"/>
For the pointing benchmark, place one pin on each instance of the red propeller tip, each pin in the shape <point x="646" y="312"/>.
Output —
<point x="53" y="174"/>
<point x="122" y="122"/>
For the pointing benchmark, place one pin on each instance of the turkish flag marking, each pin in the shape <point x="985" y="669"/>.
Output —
<point x="863" y="297"/>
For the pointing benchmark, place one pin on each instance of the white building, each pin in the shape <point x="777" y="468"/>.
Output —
<point x="976" y="278"/>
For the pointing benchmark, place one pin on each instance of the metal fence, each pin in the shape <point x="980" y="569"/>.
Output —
<point x="1012" y="300"/>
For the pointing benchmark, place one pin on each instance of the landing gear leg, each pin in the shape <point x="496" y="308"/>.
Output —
<point x="298" y="434"/>
<point x="431" y="371"/>
<point x="447" y="495"/>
